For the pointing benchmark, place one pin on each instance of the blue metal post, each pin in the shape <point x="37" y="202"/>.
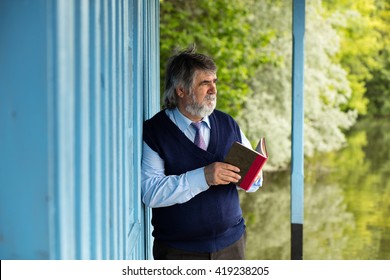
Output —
<point x="297" y="155"/>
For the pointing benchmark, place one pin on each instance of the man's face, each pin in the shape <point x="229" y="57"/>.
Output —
<point x="201" y="100"/>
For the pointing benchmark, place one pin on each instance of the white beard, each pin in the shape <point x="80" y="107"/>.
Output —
<point x="202" y="110"/>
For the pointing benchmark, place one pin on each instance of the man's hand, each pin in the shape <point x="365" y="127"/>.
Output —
<point x="220" y="173"/>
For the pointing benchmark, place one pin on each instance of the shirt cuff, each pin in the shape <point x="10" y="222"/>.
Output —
<point x="197" y="180"/>
<point x="256" y="185"/>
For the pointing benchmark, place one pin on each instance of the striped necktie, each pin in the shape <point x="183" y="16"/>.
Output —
<point x="199" y="141"/>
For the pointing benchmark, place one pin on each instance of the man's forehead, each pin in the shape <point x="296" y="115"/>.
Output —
<point x="205" y="75"/>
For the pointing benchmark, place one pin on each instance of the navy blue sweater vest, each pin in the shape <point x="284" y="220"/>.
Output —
<point x="212" y="220"/>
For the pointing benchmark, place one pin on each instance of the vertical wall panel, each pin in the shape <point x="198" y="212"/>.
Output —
<point x="125" y="93"/>
<point x="82" y="130"/>
<point x="151" y="103"/>
<point x="119" y="58"/>
<point x="65" y="128"/>
<point x="136" y="53"/>
<point x="125" y="124"/>
<point x="145" y="100"/>
<point x="24" y="154"/>
<point x="106" y="159"/>
<point x="96" y="132"/>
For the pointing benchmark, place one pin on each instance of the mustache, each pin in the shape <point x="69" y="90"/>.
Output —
<point x="210" y="97"/>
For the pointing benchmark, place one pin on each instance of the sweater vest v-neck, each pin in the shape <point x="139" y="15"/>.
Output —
<point x="211" y="220"/>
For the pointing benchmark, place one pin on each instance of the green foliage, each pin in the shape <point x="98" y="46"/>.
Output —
<point x="222" y="29"/>
<point x="378" y="91"/>
<point x="268" y="111"/>
<point x="378" y="87"/>
<point x="363" y="27"/>
<point x="346" y="63"/>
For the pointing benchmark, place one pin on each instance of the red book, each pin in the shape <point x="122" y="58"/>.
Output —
<point x="249" y="161"/>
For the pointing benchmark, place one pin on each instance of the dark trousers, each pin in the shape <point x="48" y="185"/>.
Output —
<point x="236" y="251"/>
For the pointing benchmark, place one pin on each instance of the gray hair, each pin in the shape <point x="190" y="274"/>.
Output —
<point x="180" y="71"/>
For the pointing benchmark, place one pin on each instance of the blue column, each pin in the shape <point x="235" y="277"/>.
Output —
<point x="297" y="154"/>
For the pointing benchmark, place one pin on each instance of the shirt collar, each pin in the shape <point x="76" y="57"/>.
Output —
<point x="183" y="122"/>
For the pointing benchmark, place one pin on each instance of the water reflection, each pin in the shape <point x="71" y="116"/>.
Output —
<point x="347" y="203"/>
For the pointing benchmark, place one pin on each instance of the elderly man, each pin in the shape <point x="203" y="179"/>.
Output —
<point x="192" y="192"/>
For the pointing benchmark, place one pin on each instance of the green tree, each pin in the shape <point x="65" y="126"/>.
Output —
<point x="268" y="110"/>
<point x="378" y="88"/>
<point x="251" y="44"/>
<point x="222" y="29"/>
<point x="361" y="28"/>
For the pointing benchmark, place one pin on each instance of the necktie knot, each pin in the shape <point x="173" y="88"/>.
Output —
<point x="199" y="141"/>
<point x="196" y="125"/>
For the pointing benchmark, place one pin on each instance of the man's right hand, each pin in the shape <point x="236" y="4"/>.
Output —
<point x="220" y="173"/>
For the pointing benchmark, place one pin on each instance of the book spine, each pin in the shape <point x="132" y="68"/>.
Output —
<point x="253" y="172"/>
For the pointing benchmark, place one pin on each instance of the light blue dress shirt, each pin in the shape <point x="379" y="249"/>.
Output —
<point x="159" y="190"/>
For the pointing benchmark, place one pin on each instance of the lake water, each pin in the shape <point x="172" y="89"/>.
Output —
<point x="347" y="203"/>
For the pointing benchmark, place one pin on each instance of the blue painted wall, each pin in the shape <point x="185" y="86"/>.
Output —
<point x="77" y="79"/>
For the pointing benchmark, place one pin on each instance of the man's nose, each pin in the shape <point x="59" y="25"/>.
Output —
<point x="213" y="89"/>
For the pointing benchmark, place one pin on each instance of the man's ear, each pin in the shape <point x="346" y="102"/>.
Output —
<point x="180" y="92"/>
